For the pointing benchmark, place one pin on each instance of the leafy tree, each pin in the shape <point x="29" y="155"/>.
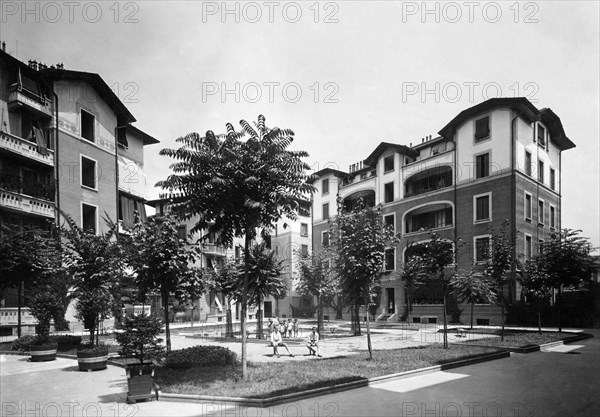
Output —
<point x="238" y="186"/>
<point x="438" y="256"/>
<point x="565" y="261"/>
<point x="359" y="238"/>
<point x="412" y="271"/>
<point x="219" y="280"/>
<point x="536" y="287"/>
<point x="499" y="264"/>
<point x="316" y="279"/>
<point x="139" y="338"/>
<point x="472" y="287"/>
<point x="96" y="263"/>
<point x="163" y="262"/>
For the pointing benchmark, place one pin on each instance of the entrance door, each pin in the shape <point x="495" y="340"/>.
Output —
<point x="268" y="309"/>
<point x="391" y="302"/>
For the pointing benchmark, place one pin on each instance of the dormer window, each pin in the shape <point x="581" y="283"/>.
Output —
<point x="541" y="136"/>
<point x="388" y="163"/>
<point x="482" y="128"/>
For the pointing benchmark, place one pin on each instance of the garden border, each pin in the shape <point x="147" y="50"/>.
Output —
<point x="537" y="348"/>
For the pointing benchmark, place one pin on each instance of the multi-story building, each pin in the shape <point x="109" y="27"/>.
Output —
<point x="67" y="145"/>
<point x="499" y="160"/>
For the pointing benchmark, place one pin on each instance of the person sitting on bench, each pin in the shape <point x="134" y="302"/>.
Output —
<point x="276" y="342"/>
<point x="313" y="343"/>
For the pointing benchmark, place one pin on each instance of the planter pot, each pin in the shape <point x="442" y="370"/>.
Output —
<point x="139" y="382"/>
<point x="43" y="353"/>
<point x="91" y="361"/>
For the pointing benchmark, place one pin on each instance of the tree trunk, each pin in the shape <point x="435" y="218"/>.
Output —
<point x="558" y="303"/>
<point x="259" y="320"/>
<point x="502" y="314"/>
<point x="408" y="317"/>
<point x="445" y="323"/>
<point x="245" y="305"/>
<point x="368" y="326"/>
<point x="356" y="319"/>
<point x="539" y="314"/>
<point x="165" y="297"/>
<point x="472" y="311"/>
<point x="19" y="304"/>
<point x="319" y="317"/>
<point x="228" y="320"/>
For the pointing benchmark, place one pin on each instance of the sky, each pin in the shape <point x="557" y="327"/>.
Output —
<point x="343" y="75"/>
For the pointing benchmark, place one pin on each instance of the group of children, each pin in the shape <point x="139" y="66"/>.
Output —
<point x="278" y="331"/>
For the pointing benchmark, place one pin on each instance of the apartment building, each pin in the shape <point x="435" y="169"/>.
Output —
<point x="67" y="145"/>
<point x="498" y="160"/>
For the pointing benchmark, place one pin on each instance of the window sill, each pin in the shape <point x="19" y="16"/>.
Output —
<point x="540" y="224"/>
<point x="89" y="188"/>
<point x="477" y="140"/>
<point x="482" y="221"/>
<point x="527" y="220"/>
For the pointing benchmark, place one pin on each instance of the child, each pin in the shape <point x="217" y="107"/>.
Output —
<point x="313" y="343"/>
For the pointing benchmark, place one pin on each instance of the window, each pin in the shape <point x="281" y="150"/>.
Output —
<point x="122" y="138"/>
<point x="528" y="207"/>
<point x="388" y="163"/>
<point x="540" y="171"/>
<point x="388" y="191"/>
<point x="267" y="240"/>
<point x="88" y="217"/>
<point x="541" y="135"/>
<point x="325" y="238"/>
<point x="182" y="232"/>
<point x="482" y="248"/>
<point x="482" y="128"/>
<point x="482" y="207"/>
<point x="390" y="221"/>
<point x="552" y="179"/>
<point x="528" y="163"/>
<point x="88" y="126"/>
<point x="88" y="172"/>
<point x="325" y="211"/>
<point x="540" y="246"/>
<point x="528" y="247"/>
<point x="304" y="229"/>
<point x="552" y="217"/>
<point x="304" y="251"/>
<point x="325" y="186"/>
<point x="482" y="165"/>
<point x="541" y="211"/>
<point x="390" y="259"/>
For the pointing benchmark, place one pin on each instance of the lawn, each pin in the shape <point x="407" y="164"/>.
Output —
<point x="290" y="376"/>
<point x="521" y="339"/>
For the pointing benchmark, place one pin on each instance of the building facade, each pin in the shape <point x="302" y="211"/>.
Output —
<point x="67" y="145"/>
<point x="497" y="161"/>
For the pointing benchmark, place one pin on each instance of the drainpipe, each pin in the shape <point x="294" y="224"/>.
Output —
<point x="56" y="167"/>
<point x="117" y="198"/>
<point x="513" y="199"/>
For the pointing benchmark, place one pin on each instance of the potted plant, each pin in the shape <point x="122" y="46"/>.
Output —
<point x="139" y="339"/>
<point x="91" y="357"/>
<point x="43" y="305"/>
<point x="42" y="349"/>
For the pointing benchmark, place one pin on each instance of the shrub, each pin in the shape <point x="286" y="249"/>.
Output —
<point x="64" y="343"/>
<point x="92" y="349"/>
<point x="23" y="343"/>
<point x="201" y="356"/>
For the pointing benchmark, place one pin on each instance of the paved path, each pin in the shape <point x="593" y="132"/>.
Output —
<point x="563" y="381"/>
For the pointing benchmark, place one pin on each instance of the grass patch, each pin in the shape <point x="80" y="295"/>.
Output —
<point x="522" y="339"/>
<point x="289" y="376"/>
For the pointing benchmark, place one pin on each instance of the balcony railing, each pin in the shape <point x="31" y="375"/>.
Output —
<point x="214" y="249"/>
<point x="37" y="189"/>
<point x="21" y="97"/>
<point x="25" y="204"/>
<point x="25" y="148"/>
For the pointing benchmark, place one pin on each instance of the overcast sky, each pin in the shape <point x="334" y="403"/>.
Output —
<point x="344" y="75"/>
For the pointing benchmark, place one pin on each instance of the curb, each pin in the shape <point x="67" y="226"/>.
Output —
<point x="538" y="348"/>
<point x="270" y="401"/>
<point x="59" y="355"/>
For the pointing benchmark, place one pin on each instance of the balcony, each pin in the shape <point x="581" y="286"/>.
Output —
<point x="37" y="189"/>
<point x="25" y="148"/>
<point x="19" y="97"/>
<point x="25" y="204"/>
<point x="429" y="180"/>
<point x="434" y="216"/>
<point x="212" y="249"/>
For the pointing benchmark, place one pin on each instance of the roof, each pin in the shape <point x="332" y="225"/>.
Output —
<point x="524" y="108"/>
<point x="371" y="160"/>
<point x="148" y="140"/>
<point x="324" y="172"/>
<point x="123" y="114"/>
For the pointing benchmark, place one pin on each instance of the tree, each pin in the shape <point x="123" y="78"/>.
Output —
<point x="219" y="279"/>
<point x="438" y="256"/>
<point x="499" y="263"/>
<point x="537" y="287"/>
<point x="565" y="261"/>
<point x="264" y="279"/>
<point x="316" y="279"/>
<point x="412" y="270"/>
<point x="472" y="287"/>
<point x="163" y="262"/>
<point x="359" y="238"/>
<point x="96" y="263"/>
<point x="238" y="186"/>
